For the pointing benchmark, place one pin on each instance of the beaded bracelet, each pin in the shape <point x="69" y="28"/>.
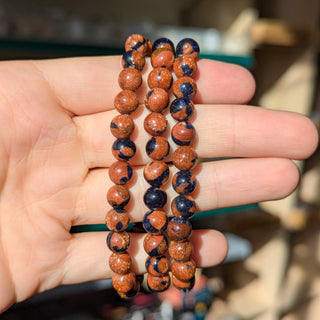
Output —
<point x="184" y="158"/>
<point x="126" y="102"/>
<point x="156" y="172"/>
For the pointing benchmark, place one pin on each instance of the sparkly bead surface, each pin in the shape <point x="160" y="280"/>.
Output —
<point x="182" y="109"/>
<point x="162" y="57"/>
<point x="157" y="266"/>
<point x="118" y="241"/>
<point x="130" y="79"/>
<point x="180" y="250"/>
<point x="188" y="47"/>
<point x="185" y="66"/>
<point x="155" y="124"/>
<point x="118" y="196"/>
<point x="183" y="133"/>
<point x="137" y="42"/>
<point x="163" y="43"/>
<point x="133" y="59"/>
<point x="126" y="102"/>
<point x="117" y="219"/>
<point x="179" y="229"/>
<point x="120" y="172"/>
<point x="155" y="198"/>
<point x="155" y="245"/>
<point x="160" y="78"/>
<point x="158" y="284"/>
<point x="184" y="158"/>
<point x="123" y="149"/>
<point x="126" y="285"/>
<point x="184" y="182"/>
<point x="183" y="286"/>
<point x="156" y="173"/>
<point x="157" y="100"/>
<point x="120" y="262"/>
<point x="157" y="148"/>
<point x="183" y="271"/>
<point x="185" y="87"/>
<point x="122" y="126"/>
<point x="183" y="206"/>
<point x="155" y="221"/>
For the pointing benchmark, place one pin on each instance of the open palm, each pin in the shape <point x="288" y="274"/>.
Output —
<point x="55" y="150"/>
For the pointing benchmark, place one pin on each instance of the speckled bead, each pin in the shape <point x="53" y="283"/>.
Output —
<point x="122" y="126"/>
<point x="182" y="109"/>
<point x="185" y="66"/>
<point x="158" y="284"/>
<point x="157" y="100"/>
<point x="137" y="42"/>
<point x="118" y="241"/>
<point x="118" y="196"/>
<point x="184" y="158"/>
<point x="183" y="133"/>
<point x="183" y="286"/>
<point x="117" y="219"/>
<point x="188" y="47"/>
<point x="155" y="245"/>
<point x="183" y="271"/>
<point x="163" y="43"/>
<point x="130" y="79"/>
<point x="183" y="206"/>
<point x="185" y="87"/>
<point x="157" y="266"/>
<point x="180" y="250"/>
<point x="184" y="182"/>
<point x="157" y="148"/>
<point x="156" y="173"/>
<point x="163" y="54"/>
<point x="133" y="59"/>
<point x="120" y="172"/>
<point x="155" y="221"/>
<point x="123" y="149"/>
<point x="179" y="229"/>
<point x="126" y="285"/>
<point x="155" y="198"/>
<point x="126" y="102"/>
<point x="120" y="262"/>
<point x="155" y="124"/>
<point x="160" y="78"/>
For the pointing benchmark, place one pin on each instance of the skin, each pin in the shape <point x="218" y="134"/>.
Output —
<point x="55" y="154"/>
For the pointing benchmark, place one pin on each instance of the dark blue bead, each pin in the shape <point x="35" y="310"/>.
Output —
<point x="183" y="206"/>
<point x="161" y="42"/>
<point x="182" y="109"/>
<point x="155" y="198"/>
<point x="186" y="89"/>
<point x="124" y="148"/>
<point x="184" y="182"/>
<point x="192" y="49"/>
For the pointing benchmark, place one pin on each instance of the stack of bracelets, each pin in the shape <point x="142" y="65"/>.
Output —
<point x="156" y="172"/>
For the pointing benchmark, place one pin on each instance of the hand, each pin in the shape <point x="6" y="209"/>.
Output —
<point x="55" y="153"/>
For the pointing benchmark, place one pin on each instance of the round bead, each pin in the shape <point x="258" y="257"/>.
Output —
<point x="184" y="158"/>
<point x="156" y="173"/>
<point x="185" y="66"/>
<point x="180" y="250"/>
<point x="188" y="47"/>
<point x="163" y="43"/>
<point x="157" y="100"/>
<point x="155" y="124"/>
<point x="123" y="149"/>
<point x="126" y="285"/>
<point x="183" y="271"/>
<point x="126" y="102"/>
<point x="155" y="221"/>
<point x="120" y="262"/>
<point x="162" y="57"/>
<point x="137" y="42"/>
<point x="183" y="133"/>
<point x="120" y="172"/>
<point x="183" y="206"/>
<point x="118" y="241"/>
<point x="118" y="196"/>
<point x="184" y="87"/>
<point x="155" y="198"/>
<point x="117" y="219"/>
<point x="182" y="109"/>
<point x="157" y="148"/>
<point x="179" y="229"/>
<point x="157" y="266"/>
<point x="158" y="284"/>
<point x="183" y="286"/>
<point x="130" y="79"/>
<point x="184" y="182"/>
<point x="155" y="245"/>
<point x="133" y="59"/>
<point x="122" y="126"/>
<point x="160" y="78"/>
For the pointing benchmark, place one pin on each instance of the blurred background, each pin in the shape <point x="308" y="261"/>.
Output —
<point x="272" y="268"/>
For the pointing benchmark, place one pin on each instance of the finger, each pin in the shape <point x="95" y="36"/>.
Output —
<point x="221" y="184"/>
<point x="89" y="85"/>
<point x="221" y="131"/>
<point x="85" y="264"/>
